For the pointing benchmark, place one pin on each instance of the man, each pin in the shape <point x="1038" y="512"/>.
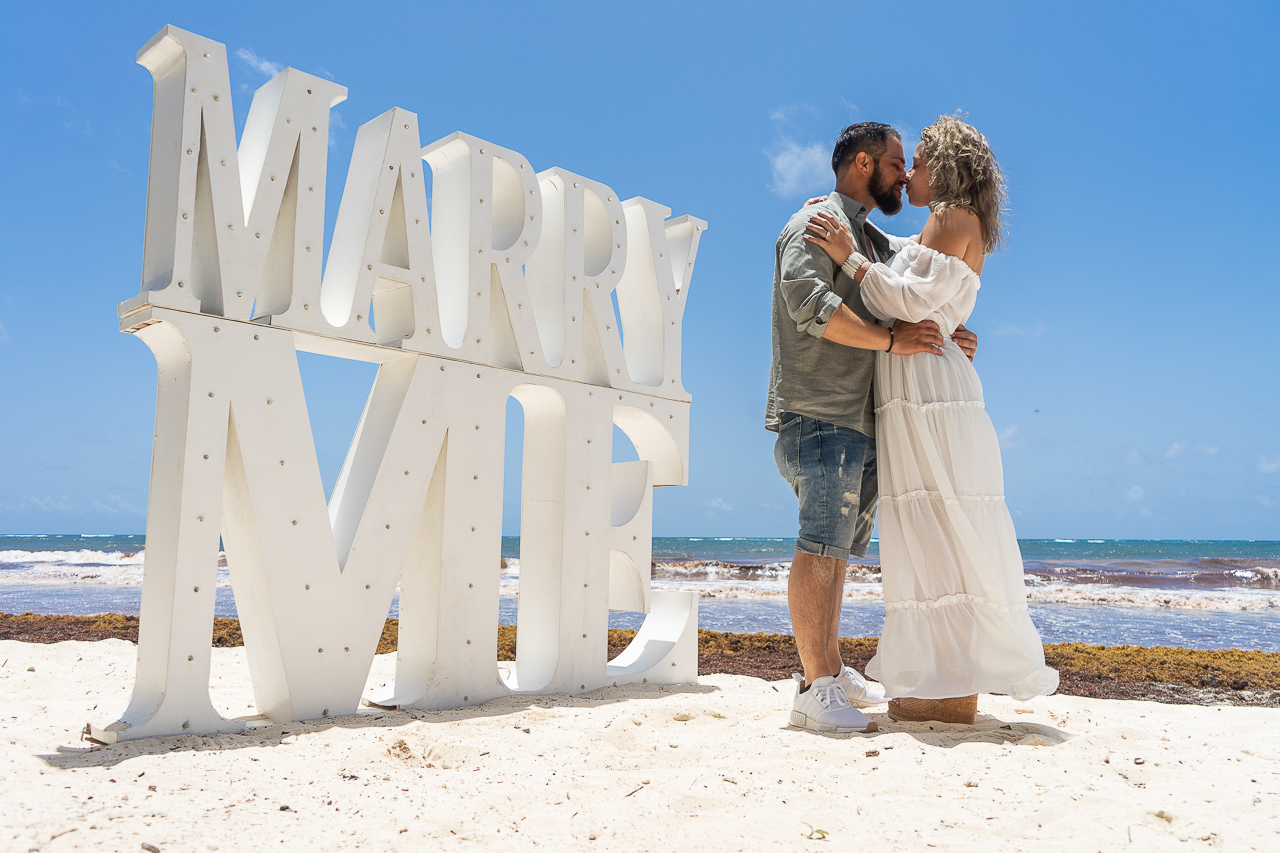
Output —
<point x="822" y="406"/>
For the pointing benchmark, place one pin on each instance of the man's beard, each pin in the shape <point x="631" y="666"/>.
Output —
<point x="881" y="189"/>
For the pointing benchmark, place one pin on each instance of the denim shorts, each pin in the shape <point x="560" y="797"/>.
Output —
<point x="832" y="470"/>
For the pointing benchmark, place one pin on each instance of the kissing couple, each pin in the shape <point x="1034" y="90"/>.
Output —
<point x="875" y="400"/>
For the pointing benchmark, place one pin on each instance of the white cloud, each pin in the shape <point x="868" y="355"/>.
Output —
<point x="1266" y="501"/>
<point x="1133" y="457"/>
<point x="805" y="168"/>
<point x="1174" y="451"/>
<point x="800" y="169"/>
<point x="4" y="333"/>
<point x="73" y="119"/>
<point x="1010" y="436"/>
<point x="784" y="115"/>
<point x="114" y="505"/>
<point x="257" y="63"/>
<point x="717" y="503"/>
<point x="1210" y="451"/>
<point x="335" y="124"/>
<point x="1267" y="465"/>
<point x="1136" y="493"/>
<point x="47" y="504"/>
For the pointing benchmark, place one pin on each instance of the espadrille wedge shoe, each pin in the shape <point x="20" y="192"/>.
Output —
<point x="961" y="709"/>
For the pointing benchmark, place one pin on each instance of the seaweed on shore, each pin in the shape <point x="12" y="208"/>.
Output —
<point x="1222" y="669"/>
<point x="1160" y="673"/>
<point x="54" y="628"/>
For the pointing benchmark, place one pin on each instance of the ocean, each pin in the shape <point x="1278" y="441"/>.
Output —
<point x="1192" y="593"/>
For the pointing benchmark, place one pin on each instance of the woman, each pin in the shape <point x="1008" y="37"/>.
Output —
<point x="956" y="621"/>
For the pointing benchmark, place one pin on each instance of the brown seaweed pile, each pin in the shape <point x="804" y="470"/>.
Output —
<point x="1161" y="674"/>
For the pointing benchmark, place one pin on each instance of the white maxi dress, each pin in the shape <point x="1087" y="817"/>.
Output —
<point x="956" y="620"/>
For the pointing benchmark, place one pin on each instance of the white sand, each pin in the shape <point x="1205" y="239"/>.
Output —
<point x="705" y="768"/>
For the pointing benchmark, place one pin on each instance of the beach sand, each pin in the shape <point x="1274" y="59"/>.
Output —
<point x="710" y="767"/>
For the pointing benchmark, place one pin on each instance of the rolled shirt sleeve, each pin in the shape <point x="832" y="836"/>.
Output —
<point x="810" y="375"/>
<point x="806" y="283"/>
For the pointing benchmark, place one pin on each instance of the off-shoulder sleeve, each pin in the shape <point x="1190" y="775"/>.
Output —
<point x="897" y="243"/>
<point x="931" y="280"/>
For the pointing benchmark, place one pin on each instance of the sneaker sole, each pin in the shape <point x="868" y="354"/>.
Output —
<point x="804" y="721"/>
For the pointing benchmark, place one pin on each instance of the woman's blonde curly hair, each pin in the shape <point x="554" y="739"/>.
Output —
<point x="963" y="173"/>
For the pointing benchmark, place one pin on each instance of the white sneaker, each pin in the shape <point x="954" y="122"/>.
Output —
<point x="825" y="708"/>
<point x="856" y="689"/>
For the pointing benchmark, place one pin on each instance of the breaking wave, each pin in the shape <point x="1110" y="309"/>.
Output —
<point x="1204" y="585"/>
<point x="106" y="568"/>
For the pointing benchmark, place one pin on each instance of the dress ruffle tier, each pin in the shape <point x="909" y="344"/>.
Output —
<point x="956" y="620"/>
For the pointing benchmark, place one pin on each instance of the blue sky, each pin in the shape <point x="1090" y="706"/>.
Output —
<point x="1127" y="335"/>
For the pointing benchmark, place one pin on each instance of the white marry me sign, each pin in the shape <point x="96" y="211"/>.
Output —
<point x="506" y="292"/>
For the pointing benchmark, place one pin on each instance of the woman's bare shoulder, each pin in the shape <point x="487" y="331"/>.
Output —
<point x="957" y="221"/>
<point x="951" y="230"/>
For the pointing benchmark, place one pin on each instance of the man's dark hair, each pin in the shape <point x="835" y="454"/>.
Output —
<point x="869" y="136"/>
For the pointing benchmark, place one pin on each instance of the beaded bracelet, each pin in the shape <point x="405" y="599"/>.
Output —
<point x="853" y="263"/>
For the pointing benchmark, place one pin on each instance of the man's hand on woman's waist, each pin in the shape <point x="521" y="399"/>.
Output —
<point x="849" y="329"/>
<point x="966" y="340"/>
<point x="911" y="338"/>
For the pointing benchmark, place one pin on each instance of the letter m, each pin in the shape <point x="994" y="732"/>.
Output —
<point x="227" y="227"/>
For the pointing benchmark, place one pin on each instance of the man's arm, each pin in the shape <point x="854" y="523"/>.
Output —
<point x="847" y="328"/>
<point x="806" y="282"/>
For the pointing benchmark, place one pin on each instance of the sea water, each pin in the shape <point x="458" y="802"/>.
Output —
<point x="1198" y="594"/>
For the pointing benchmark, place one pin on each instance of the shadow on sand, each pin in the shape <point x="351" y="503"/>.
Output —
<point x="985" y="729"/>
<point x="269" y="734"/>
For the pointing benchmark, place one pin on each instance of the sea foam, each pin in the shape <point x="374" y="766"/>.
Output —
<point x="108" y="568"/>
<point x="1244" y="589"/>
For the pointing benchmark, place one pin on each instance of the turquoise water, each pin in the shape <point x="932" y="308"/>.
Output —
<point x="1202" y="594"/>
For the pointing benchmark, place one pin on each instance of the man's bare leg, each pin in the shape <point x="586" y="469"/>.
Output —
<point x="835" y="660"/>
<point x="809" y="593"/>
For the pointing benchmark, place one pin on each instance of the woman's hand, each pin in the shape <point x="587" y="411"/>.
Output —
<point x="814" y="200"/>
<point x="832" y="235"/>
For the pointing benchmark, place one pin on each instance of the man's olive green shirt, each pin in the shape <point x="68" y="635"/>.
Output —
<point x="812" y="376"/>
